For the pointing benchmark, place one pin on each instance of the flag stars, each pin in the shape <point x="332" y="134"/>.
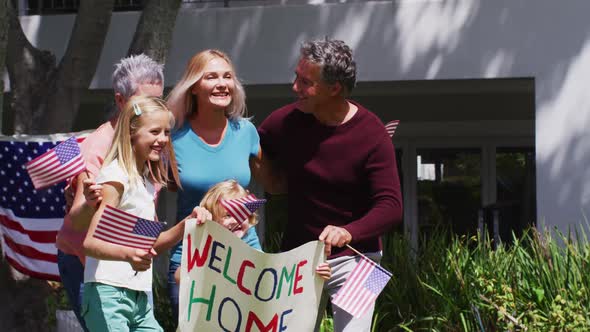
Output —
<point x="57" y="199"/>
<point x="43" y="200"/>
<point x="37" y="208"/>
<point x="51" y="208"/>
<point x="22" y="207"/>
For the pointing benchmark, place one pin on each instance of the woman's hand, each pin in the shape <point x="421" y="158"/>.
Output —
<point x="92" y="192"/>
<point x="141" y="260"/>
<point x="324" y="271"/>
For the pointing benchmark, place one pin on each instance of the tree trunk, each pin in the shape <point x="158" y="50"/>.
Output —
<point x="153" y="35"/>
<point x="46" y="97"/>
<point x="3" y="43"/>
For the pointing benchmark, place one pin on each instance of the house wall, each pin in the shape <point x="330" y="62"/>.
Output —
<point x="406" y="40"/>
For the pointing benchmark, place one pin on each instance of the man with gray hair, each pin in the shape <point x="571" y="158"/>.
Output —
<point x="340" y="168"/>
<point x="133" y="76"/>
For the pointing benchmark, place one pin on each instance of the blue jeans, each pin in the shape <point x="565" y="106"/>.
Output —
<point x="71" y="272"/>
<point x="173" y="288"/>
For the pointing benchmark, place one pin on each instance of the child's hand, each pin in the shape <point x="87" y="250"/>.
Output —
<point x="201" y="214"/>
<point x="92" y="193"/>
<point x="177" y="276"/>
<point x="324" y="271"/>
<point x="141" y="260"/>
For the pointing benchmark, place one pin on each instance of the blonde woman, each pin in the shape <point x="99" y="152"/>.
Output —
<point x="213" y="142"/>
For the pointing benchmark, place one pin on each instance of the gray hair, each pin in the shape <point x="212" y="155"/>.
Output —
<point x="335" y="58"/>
<point x="134" y="70"/>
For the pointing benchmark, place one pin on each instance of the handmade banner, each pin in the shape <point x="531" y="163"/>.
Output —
<point x="225" y="285"/>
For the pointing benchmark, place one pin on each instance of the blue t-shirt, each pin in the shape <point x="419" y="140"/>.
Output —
<point x="200" y="166"/>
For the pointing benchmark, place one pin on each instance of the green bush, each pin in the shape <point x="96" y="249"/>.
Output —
<point x="538" y="283"/>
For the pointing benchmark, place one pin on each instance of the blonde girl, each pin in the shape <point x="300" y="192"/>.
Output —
<point x="140" y="160"/>
<point x="231" y="189"/>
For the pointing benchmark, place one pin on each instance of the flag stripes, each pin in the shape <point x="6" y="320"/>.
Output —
<point x="362" y="287"/>
<point x="242" y="208"/>
<point x="30" y="219"/>
<point x="57" y="164"/>
<point x="391" y="127"/>
<point x="119" y="227"/>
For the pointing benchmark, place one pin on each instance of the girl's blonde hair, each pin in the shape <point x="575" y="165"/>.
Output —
<point x="182" y="102"/>
<point x="228" y="189"/>
<point x="121" y="149"/>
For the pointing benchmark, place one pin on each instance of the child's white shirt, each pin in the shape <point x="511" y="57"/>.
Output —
<point x="137" y="200"/>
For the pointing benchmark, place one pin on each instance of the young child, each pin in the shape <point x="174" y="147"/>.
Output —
<point x="116" y="278"/>
<point x="231" y="189"/>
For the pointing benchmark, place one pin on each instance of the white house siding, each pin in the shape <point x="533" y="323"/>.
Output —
<point x="407" y="40"/>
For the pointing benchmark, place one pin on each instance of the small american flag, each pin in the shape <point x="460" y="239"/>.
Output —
<point x="360" y="290"/>
<point x="242" y="208"/>
<point x="122" y="228"/>
<point x="391" y="126"/>
<point x="57" y="164"/>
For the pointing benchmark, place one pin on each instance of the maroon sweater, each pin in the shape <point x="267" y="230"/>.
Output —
<point x="344" y="176"/>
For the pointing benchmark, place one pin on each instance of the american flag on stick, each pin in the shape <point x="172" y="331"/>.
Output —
<point x="122" y="228"/>
<point x="360" y="290"/>
<point x="57" y="164"/>
<point x="391" y="126"/>
<point x="242" y="208"/>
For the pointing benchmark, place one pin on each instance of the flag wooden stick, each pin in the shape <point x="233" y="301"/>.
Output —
<point x="358" y="252"/>
<point x="370" y="260"/>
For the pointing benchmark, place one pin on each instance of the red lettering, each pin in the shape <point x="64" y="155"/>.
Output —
<point x="195" y="258"/>
<point x="298" y="277"/>
<point x="253" y="319"/>
<point x="245" y="263"/>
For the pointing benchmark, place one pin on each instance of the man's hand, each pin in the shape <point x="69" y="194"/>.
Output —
<point x="334" y="236"/>
<point x="92" y="193"/>
<point x="141" y="260"/>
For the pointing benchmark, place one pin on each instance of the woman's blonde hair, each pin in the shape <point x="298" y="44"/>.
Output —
<point x="228" y="189"/>
<point x="182" y="102"/>
<point x="121" y="149"/>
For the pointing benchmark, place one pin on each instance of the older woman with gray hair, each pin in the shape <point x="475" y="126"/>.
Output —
<point x="133" y="76"/>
